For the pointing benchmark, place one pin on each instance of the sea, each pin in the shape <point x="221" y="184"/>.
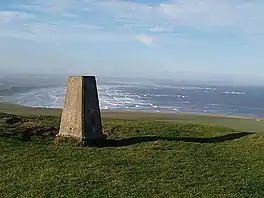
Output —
<point x="155" y="95"/>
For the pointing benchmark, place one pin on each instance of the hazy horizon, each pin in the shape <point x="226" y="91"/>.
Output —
<point x="179" y="78"/>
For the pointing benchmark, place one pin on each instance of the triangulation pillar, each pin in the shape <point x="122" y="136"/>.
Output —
<point x="81" y="118"/>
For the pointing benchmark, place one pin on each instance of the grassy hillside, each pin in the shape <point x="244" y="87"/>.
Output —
<point x="140" y="159"/>
<point x="238" y="123"/>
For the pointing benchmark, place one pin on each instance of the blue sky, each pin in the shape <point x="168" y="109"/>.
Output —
<point x="164" y="38"/>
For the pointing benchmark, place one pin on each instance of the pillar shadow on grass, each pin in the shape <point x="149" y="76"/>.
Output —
<point x="137" y="140"/>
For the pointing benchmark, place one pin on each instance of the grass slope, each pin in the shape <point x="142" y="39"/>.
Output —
<point x="146" y="159"/>
<point x="238" y="123"/>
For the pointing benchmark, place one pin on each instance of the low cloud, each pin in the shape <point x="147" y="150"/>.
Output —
<point x="158" y="29"/>
<point x="145" y="39"/>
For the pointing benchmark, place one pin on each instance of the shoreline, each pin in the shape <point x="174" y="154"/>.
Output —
<point x="248" y="124"/>
<point x="132" y="111"/>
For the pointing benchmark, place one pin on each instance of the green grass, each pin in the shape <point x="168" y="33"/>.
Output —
<point x="22" y="110"/>
<point x="238" y="123"/>
<point x="182" y="165"/>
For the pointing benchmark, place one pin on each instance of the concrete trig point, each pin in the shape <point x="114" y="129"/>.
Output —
<point x="81" y="118"/>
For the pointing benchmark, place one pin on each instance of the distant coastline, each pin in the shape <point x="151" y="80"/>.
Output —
<point x="142" y="95"/>
<point x="6" y="107"/>
<point x="247" y="124"/>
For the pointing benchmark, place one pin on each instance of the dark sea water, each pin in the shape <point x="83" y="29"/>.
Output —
<point x="149" y="95"/>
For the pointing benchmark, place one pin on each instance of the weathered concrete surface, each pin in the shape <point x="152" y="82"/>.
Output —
<point x="81" y="116"/>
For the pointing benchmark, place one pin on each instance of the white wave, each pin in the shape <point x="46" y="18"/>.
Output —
<point x="158" y="95"/>
<point x="40" y="98"/>
<point x="105" y="107"/>
<point x="234" y="93"/>
<point x="154" y="106"/>
<point x="193" y="88"/>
